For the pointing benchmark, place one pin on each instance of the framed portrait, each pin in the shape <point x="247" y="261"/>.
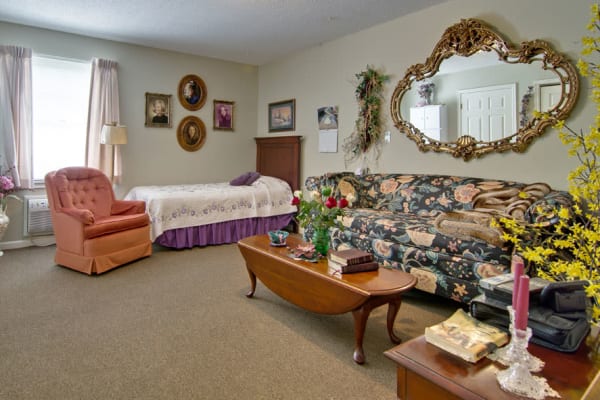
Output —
<point x="282" y="116"/>
<point x="223" y="115"/>
<point x="192" y="92"/>
<point x="191" y="133"/>
<point x="158" y="110"/>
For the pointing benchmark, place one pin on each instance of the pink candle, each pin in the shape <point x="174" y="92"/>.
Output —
<point x="517" y="270"/>
<point x="522" y="312"/>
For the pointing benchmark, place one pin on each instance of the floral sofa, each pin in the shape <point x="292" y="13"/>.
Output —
<point x="436" y="227"/>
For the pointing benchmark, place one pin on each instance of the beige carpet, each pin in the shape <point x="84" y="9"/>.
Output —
<point x="177" y="325"/>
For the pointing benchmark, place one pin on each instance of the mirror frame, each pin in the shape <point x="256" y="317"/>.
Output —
<point x="465" y="39"/>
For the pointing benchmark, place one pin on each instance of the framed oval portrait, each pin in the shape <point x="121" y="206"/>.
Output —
<point x="192" y="92"/>
<point x="191" y="133"/>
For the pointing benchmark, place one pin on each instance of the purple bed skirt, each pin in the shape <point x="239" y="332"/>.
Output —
<point x="222" y="232"/>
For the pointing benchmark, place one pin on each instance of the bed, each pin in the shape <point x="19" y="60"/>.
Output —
<point x="191" y="215"/>
<point x="184" y="216"/>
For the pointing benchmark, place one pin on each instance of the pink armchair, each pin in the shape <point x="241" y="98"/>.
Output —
<point x="94" y="231"/>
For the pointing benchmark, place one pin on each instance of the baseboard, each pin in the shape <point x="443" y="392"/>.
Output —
<point x="47" y="240"/>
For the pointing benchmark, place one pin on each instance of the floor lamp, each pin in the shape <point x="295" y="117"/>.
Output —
<point x="113" y="134"/>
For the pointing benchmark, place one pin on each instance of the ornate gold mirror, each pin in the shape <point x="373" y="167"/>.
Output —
<point x="484" y="93"/>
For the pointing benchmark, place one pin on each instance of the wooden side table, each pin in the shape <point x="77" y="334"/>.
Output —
<point x="428" y="372"/>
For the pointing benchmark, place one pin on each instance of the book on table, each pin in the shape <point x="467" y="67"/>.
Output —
<point x="350" y="256"/>
<point x="465" y="336"/>
<point x="336" y="267"/>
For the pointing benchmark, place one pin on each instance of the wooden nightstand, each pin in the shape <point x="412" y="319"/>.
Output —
<point x="427" y="372"/>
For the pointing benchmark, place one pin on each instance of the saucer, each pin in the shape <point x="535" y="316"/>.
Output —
<point x="278" y="244"/>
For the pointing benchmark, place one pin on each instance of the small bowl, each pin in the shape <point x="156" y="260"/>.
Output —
<point x="278" y="237"/>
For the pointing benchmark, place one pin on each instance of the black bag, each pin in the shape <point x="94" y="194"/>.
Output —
<point x="557" y="331"/>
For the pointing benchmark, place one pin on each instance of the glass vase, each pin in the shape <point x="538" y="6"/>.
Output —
<point x="4" y="220"/>
<point x="593" y="343"/>
<point x="320" y="239"/>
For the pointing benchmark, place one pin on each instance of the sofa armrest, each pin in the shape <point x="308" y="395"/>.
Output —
<point x="541" y="210"/>
<point x="124" y="207"/>
<point x="329" y="179"/>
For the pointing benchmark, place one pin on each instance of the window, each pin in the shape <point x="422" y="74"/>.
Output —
<point x="60" y="108"/>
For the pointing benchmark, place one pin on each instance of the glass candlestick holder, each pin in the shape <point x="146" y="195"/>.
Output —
<point x="506" y="354"/>
<point x="517" y="378"/>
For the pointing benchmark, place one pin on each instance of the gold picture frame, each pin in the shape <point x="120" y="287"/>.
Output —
<point x="158" y="110"/>
<point x="192" y="92"/>
<point x="191" y="133"/>
<point x="282" y="116"/>
<point x="223" y="115"/>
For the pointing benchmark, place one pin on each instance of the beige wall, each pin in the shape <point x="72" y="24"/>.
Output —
<point x="324" y="75"/>
<point x="153" y="155"/>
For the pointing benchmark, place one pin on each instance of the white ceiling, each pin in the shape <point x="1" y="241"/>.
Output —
<point x="246" y="31"/>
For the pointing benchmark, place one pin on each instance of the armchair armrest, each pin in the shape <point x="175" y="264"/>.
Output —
<point x="82" y="215"/>
<point x="124" y="207"/>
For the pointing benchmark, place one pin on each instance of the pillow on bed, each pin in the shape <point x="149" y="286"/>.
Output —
<point x="252" y="178"/>
<point x="245" y="179"/>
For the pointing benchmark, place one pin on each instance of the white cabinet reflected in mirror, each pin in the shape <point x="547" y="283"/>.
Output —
<point x="432" y="120"/>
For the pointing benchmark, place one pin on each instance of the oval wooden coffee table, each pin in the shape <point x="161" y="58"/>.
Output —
<point x="312" y="287"/>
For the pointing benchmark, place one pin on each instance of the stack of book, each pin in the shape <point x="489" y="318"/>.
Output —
<point x="465" y="336"/>
<point x="351" y="260"/>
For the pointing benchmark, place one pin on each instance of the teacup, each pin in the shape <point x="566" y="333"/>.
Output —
<point x="278" y="237"/>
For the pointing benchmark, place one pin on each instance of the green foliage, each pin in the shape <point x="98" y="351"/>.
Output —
<point x="569" y="248"/>
<point x="321" y="211"/>
<point x="367" y="129"/>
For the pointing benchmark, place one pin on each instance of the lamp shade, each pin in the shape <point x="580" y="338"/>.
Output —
<point x="113" y="134"/>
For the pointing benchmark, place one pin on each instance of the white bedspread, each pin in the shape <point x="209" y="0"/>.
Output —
<point x="182" y="206"/>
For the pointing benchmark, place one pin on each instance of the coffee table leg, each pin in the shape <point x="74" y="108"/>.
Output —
<point x="393" y="308"/>
<point x="252" y="283"/>
<point x="361" y="315"/>
<point x="360" y="322"/>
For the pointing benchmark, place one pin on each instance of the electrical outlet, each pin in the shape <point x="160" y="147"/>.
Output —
<point x="387" y="137"/>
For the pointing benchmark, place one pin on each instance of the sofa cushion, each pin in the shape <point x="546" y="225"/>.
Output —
<point x="417" y="230"/>
<point x="412" y="193"/>
<point x="449" y="275"/>
<point x="114" y="224"/>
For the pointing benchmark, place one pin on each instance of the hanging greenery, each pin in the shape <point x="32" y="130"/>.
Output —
<point x="367" y="129"/>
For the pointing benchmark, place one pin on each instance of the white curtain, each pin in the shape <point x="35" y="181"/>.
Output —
<point x="103" y="109"/>
<point x="15" y="101"/>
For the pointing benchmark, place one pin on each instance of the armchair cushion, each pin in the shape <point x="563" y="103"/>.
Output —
<point x="115" y="223"/>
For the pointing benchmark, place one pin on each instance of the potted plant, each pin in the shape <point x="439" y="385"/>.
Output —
<point x="317" y="214"/>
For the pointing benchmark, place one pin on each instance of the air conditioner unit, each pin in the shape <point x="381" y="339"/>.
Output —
<point x="37" y="219"/>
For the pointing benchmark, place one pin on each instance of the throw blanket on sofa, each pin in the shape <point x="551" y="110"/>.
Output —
<point x="477" y="223"/>
<point x="511" y="202"/>
<point x="469" y="225"/>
